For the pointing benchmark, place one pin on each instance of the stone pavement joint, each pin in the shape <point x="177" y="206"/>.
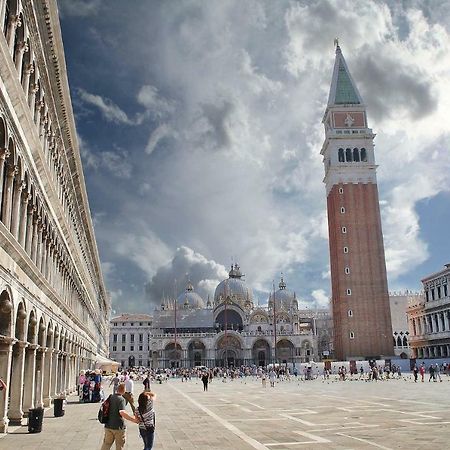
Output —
<point x="341" y="415"/>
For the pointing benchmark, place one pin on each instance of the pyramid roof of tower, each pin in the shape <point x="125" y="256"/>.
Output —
<point x="343" y="89"/>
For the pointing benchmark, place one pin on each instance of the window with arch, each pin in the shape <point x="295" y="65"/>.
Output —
<point x="345" y="249"/>
<point x="399" y="341"/>
<point x="344" y="230"/>
<point x="363" y="155"/>
<point x="352" y="335"/>
<point x="259" y="329"/>
<point x="348" y="155"/>
<point x="341" y="155"/>
<point x="342" y="210"/>
<point x="347" y="270"/>
<point x="350" y="313"/>
<point x="349" y="292"/>
<point x="355" y="155"/>
<point x="341" y="190"/>
<point x="405" y="341"/>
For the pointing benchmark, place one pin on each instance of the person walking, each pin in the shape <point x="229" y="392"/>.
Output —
<point x="128" y="395"/>
<point x="437" y="373"/>
<point x="115" y="382"/>
<point x="115" y="428"/>
<point x="416" y="373"/>
<point x="144" y="416"/>
<point x="272" y="377"/>
<point x="431" y="371"/>
<point x="146" y="383"/>
<point x="422" y="372"/>
<point x="205" y="379"/>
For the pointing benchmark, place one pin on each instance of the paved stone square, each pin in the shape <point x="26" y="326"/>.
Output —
<point x="394" y="414"/>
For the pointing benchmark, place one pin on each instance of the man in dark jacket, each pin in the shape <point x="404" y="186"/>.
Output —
<point x="115" y="428"/>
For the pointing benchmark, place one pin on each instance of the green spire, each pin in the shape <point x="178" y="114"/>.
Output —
<point x="345" y="92"/>
<point x="343" y="89"/>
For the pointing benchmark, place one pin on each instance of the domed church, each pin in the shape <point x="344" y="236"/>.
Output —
<point x="231" y="330"/>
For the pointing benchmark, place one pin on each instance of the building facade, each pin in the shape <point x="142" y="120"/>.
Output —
<point x="129" y="339"/>
<point x="230" y="330"/>
<point x="429" y="317"/>
<point x="53" y="303"/>
<point x="400" y="302"/>
<point x="360" y="299"/>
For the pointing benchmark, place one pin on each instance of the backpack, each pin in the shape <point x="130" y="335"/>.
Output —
<point x="103" y="412"/>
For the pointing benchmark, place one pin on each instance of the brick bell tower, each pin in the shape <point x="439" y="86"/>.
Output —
<point x="360" y="299"/>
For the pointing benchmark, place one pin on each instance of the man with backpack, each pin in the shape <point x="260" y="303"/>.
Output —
<point x="115" y="427"/>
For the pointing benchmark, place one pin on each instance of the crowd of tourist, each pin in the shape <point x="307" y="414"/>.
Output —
<point x="90" y="387"/>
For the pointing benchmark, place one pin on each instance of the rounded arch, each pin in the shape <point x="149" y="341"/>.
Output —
<point x="49" y="340"/>
<point x="20" y="329"/>
<point x="3" y="134"/>
<point x="32" y="327"/>
<point x="196" y="351"/>
<point x="230" y="319"/>
<point x="259" y="317"/>
<point x="261" y="352"/>
<point x="285" y="350"/>
<point x="341" y="156"/>
<point x="348" y="155"/>
<point x="6" y="312"/>
<point x="356" y="155"/>
<point x="41" y="332"/>
<point x="229" y="349"/>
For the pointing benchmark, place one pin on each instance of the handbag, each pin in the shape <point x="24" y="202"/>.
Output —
<point x="152" y="427"/>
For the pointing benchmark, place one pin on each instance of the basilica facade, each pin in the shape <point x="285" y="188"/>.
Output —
<point x="53" y="303"/>
<point x="230" y="330"/>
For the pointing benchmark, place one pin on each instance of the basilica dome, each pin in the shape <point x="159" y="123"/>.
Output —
<point x="285" y="299"/>
<point x="235" y="288"/>
<point x="190" y="299"/>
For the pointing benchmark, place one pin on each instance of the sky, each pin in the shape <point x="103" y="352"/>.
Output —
<point x="200" y="131"/>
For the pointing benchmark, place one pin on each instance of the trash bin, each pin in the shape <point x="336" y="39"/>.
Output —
<point x="35" y="418"/>
<point x="58" y="407"/>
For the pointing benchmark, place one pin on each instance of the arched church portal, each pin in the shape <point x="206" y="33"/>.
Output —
<point x="229" y="319"/>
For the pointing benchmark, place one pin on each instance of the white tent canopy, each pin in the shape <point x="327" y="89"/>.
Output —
<point x="106" y="364"/>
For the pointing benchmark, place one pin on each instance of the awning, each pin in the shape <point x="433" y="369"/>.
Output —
<point x="102" y="361"/>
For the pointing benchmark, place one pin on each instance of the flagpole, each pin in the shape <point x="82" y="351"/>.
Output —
<point x="274" y="321"/>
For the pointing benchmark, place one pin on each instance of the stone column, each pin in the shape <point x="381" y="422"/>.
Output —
<point x="55" y="374"/>
<point x="14" y="22"/>
<point x="15" y="413"/>
<point x="67" y="374"/>
<point x="29" y="69"/>
<point x="11" y="171"/>
<point x="39" y="246"/>
<point x="4" y="154"/>
<point x="48" y="377"/>
<point x="23" y="217"/>
<point x="32" y="99"/>
<point x="35" y="241"/>
<point x="29" y="229"/>
<point x="19" y="186"/>
<point x="40" y="364"/>
<point x="29" y="383"/>
<point x="44" y="254"/>
<point x="6" y="344"/>
<point x="22" y="48"/>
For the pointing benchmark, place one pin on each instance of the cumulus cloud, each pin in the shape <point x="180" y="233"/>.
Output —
<point x="240" y="125"/>
<point x="109" y="110"/>
<point x="79" y="8"/>
<point x="186" y="264"/>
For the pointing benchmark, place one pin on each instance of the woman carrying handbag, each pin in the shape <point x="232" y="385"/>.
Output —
<point x="144" y="416"/>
